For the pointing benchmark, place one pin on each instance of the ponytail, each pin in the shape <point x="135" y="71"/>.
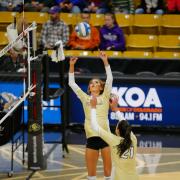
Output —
<point x="125" y="132"/>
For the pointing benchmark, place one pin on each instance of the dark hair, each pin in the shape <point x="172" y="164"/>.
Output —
<point x="125" y="132"/>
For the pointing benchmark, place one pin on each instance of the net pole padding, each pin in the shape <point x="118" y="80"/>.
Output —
<point x="36" y="158"/>
<point x="17" y="104"/>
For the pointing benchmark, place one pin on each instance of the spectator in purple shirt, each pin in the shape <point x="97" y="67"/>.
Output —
<point x="111" y="35"/>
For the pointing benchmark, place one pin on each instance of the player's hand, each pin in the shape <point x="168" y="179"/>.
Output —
<point x="104" y="57"/>
<point x="73" y="60"/>
<point x="93" y="102"/>
<point x="113" y="102"/>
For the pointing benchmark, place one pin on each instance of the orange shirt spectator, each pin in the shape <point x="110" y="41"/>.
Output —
<point x="89" y="43"/>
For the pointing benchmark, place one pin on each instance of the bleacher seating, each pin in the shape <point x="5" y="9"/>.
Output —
<point x="7" y="18"/>
<point x="125" y="21"/>
<point x="142" y="42"/>
<point x="169" y="42"/>
<point x="114" y="54"/>
<point x="78" y="53"/>
<point x="69" y="18"/>
<point x="38" y="17"/>
<point x="137" y="54"/>
<point x="4" y="40"/>
<point x="170" y="24"/>
<point x="84" y="53"/>
<point x="146" y="24"/>
<point x="172" y="74"/>
<point x="166" y="55"/>
<point x="146" y="73"/>
<point x="125" y="54"/>
<point x="159" y="34"/>
<point x="97" y="19"/>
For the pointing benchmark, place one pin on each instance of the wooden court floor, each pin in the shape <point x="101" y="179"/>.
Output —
<point x="152" y="164"/>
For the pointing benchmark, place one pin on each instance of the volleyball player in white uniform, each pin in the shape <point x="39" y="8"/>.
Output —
<point x="123" y="145"/>
<point x="101" y="91"/>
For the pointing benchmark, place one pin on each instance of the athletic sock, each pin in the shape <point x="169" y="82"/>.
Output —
<point x="91" y="177"/>
<point x="107" y="177"/>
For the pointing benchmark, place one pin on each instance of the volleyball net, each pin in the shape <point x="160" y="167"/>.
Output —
<point x="15" y="71"/>
<point x="20" y="81"/>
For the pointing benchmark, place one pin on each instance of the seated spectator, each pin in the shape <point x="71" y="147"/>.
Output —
<point x="125" y="6"/>
<point x="54" y="30"/>
<point x="13" y="31"/>
<point x="71" y="6"/>
<point x="38" y="5"/>
<point x="97" y="6"/>
<point x="150" y="7"/>
<point x="11" y="5"/>
<point x="89" y="43"/>
<point x="7" y="101"/>
<point x="111" y="35"/>
<point x="13" y="62"/>
<point x="173" y="6"/>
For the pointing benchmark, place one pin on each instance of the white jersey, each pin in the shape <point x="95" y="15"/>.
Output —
<point x="102" y="103"/>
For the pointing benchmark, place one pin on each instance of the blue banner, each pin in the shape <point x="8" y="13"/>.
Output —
<point x="51" y="114"/>
<point x="145" y="105"/>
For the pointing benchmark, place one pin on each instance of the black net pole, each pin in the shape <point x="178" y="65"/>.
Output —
<point x="36" y="160"/>
<point x="63" y="109"/>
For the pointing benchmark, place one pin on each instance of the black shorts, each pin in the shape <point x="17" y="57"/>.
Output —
<point x="96" y="143"/>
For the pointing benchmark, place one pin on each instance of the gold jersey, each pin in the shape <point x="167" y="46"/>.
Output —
<point x="102" y="103"/>
<point x="124" y="168"/>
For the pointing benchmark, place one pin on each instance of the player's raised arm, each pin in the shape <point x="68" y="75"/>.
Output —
<point x="72" y="83"/>
<point x="104" y="58"/>
<point x="72" y="63"/>
<point x="109" y="80"/>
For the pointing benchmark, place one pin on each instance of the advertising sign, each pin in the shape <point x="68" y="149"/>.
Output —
<point x="157" y="105"/>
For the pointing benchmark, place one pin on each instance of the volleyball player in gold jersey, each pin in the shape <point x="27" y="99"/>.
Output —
<point x="101" y="91"/>
<point x="123" y="145"/>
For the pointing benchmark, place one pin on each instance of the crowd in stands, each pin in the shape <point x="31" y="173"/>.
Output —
<point x="109" y="36"/>
<point x="94" y="6"/>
